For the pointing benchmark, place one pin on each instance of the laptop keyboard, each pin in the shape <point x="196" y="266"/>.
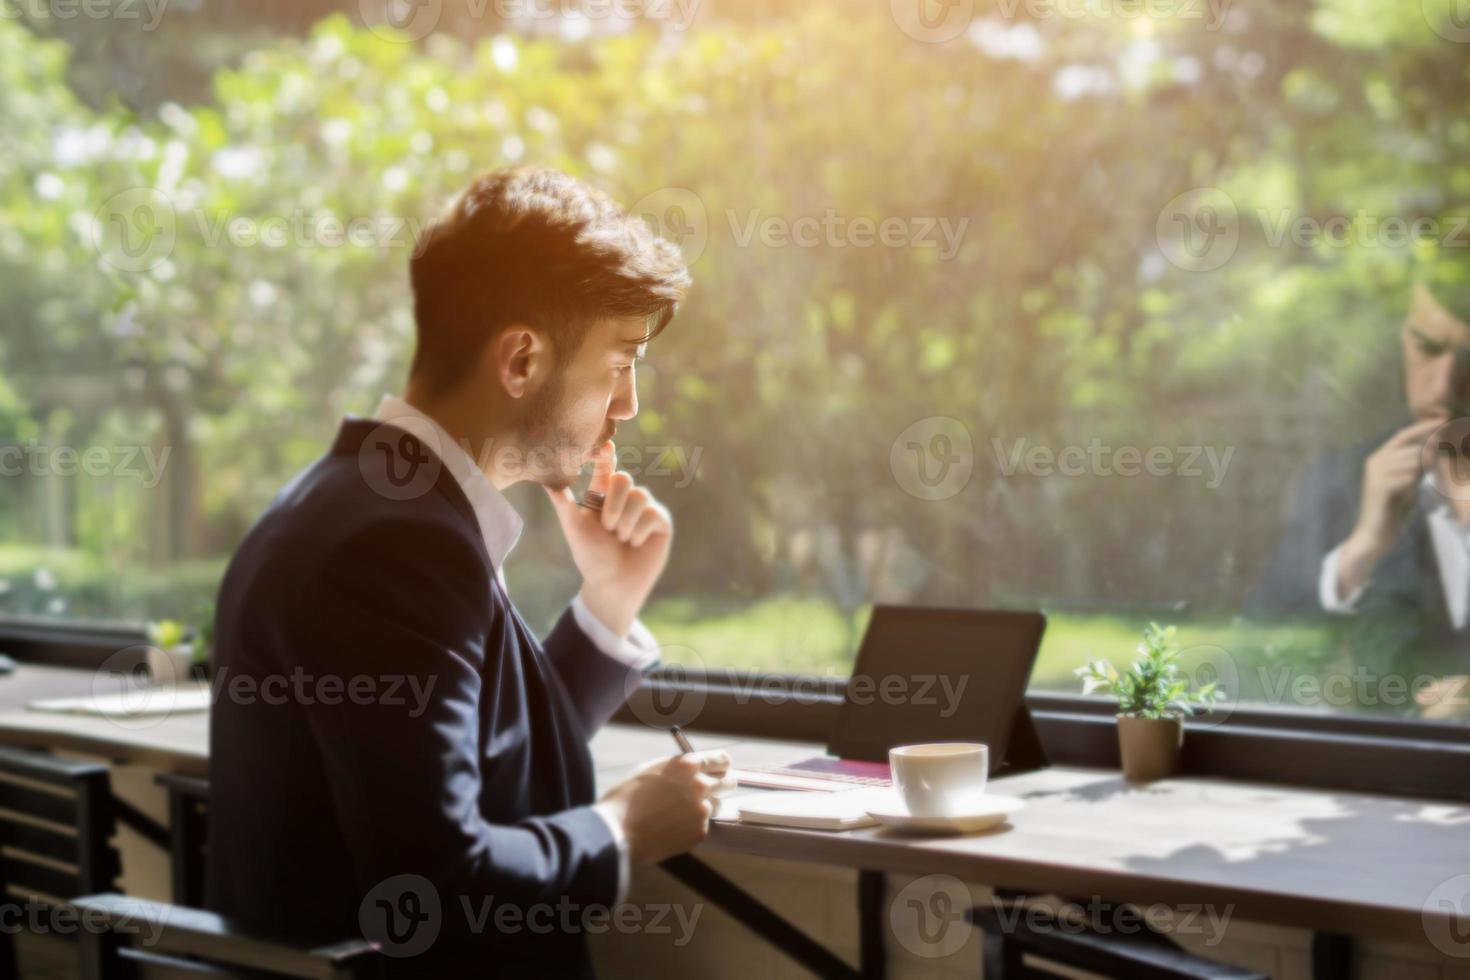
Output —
<point x="851" y="772"/>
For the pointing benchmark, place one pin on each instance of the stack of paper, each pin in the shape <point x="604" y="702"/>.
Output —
<point x="843" y="810"/>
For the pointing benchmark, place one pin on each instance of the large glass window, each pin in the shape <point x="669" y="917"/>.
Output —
<point x="1124" y="310"/>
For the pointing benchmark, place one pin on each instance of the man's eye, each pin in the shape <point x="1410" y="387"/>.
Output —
<point x="1430" y="349"/>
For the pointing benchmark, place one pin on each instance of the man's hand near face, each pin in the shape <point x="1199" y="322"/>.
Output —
<point x="620" y="551"/>
<point x="1390" y="479"/>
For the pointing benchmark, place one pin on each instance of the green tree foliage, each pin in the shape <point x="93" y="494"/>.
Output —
<point x="1055" y="145"/>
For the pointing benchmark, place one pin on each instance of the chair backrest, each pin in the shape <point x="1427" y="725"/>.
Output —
<point x="137" y="936"/>
<point x="188" y="810"/>
<point x="57" y="822"/>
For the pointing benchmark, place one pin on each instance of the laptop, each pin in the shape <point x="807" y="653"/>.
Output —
<point x="922" y="675"/>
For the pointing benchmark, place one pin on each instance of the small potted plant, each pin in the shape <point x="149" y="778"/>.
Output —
<point x="169" y="651"/>
<point x="1154" y="698"/>
<point x="199" y="670"/>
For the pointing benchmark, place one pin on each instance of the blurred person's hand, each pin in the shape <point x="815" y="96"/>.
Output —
<point x="1446" y="699"/>
<point x="665" y="806"/>
<point x="1391" y="478"/>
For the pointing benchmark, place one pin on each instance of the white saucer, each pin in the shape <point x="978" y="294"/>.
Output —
<point x="987" y="812"/>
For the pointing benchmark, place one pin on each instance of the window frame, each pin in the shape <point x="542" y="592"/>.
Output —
<point x="71" y="643"/>
<point x="1399" y="757"/>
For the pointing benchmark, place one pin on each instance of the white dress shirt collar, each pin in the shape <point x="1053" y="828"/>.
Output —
<point x="500" y="525"/>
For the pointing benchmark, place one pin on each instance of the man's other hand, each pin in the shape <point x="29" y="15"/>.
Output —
<point x="666" y="805"/>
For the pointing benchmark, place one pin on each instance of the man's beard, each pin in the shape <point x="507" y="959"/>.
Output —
<point x="553" y="453"/>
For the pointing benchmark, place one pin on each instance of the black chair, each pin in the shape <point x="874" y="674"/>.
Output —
<point x="188" y="800"/>
<point x="1144" y="955"/>
<point x="57" y="822"/>
<point x="125" y="937"/>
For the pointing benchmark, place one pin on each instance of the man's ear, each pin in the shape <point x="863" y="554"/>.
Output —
<point x="521" y="359"/>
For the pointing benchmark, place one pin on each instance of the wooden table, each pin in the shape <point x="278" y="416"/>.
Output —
<point x="177" y="743"/>
<point x="1336" y="862"/>
<point x="1353" y="863"/>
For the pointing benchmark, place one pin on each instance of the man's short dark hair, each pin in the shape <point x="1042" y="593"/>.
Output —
<point x="1445" y="273"/>
<point x="534" y="246"/>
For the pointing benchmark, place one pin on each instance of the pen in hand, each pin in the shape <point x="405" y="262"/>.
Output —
<point x="681" y="738"/>
<point x="728" y="781"/>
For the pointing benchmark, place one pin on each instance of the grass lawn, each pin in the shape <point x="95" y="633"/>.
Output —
<point x="804" y="635"/>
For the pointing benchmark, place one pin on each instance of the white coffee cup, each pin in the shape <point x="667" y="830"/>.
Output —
<point x="940" y="779"/>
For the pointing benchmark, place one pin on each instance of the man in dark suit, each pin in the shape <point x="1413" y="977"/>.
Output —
<point x="1380" y="534"/>
<point x="393" y="752"/>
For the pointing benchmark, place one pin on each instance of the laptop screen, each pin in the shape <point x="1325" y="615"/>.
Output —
<point x="937" y="675"/>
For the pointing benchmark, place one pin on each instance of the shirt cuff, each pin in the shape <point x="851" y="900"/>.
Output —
<point x="638" y="649"/>
<point x="616" y="827"/>
<point x="1327" y="588"/>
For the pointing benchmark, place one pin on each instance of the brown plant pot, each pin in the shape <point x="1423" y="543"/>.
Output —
<point x="1150" y="747"/>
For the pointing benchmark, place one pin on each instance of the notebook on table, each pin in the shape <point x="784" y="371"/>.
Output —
<point x="143" y="702"/>
<point x="925" y="675"/>
<point x="843" y="810"/>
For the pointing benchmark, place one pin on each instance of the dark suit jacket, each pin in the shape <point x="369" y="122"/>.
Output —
<point x="1403" y="607"/>
<point x="480" y="787"/>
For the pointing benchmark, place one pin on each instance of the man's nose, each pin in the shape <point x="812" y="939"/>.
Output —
<point x="1457" y="384"/>
<point x="624" y="404"/>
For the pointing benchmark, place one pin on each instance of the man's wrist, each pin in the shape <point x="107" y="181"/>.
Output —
<point x="614" y="814"/>
<point x="1357" y="558"/>
<point x="617" y="615"/>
